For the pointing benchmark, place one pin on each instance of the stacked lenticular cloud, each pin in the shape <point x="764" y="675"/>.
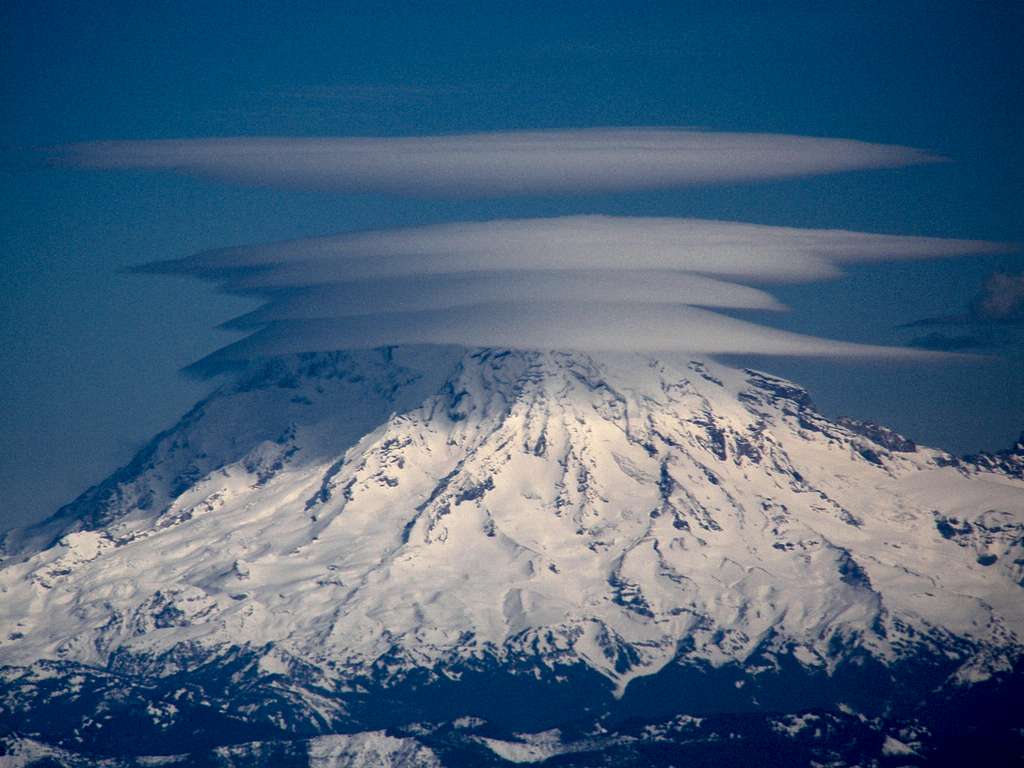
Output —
<point x="580" y="282"/>
<point x="576" y="282"/>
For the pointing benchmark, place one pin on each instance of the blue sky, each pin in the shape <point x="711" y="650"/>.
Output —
<point x="90" y="355"/>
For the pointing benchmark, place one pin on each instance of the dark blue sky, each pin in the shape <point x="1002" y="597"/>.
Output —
<point x="90" y="355"/>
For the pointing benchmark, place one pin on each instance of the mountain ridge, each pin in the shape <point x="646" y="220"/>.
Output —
<point x="417" y="519"/>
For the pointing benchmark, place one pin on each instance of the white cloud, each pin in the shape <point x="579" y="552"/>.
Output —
<point x="589" y="326"/>
<point x="724" y="249"/>
<point x="577" y="282"/>
<point x="438" y="291"/>
<point x="486" y="164"/>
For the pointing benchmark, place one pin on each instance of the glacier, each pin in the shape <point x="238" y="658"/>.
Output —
<point x="379" y="545"/>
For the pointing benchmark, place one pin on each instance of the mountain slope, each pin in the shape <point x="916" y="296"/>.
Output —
<point x="329" y="524"/>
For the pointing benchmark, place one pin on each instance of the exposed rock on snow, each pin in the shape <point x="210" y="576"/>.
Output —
<point x="328" y="520"/>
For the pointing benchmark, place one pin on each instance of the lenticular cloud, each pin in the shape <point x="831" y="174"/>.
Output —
<point x="492" y="164"/>
<point x="412" y="293"/>
<point x="577" y="282"/>
<point x="722" y="249"/>
<point x="587" y="326"/>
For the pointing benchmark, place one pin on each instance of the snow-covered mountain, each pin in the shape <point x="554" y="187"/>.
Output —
<point x="398" y="538"/>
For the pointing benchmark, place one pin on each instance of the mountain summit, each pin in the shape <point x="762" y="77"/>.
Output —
<point x="467" y="545"/>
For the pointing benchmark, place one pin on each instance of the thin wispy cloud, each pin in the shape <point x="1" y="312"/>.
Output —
<point x="992" y="322"/>
<point x="492" y="164"/>
<point x="368" y="92"/>
<point x="1001" y="298"/>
